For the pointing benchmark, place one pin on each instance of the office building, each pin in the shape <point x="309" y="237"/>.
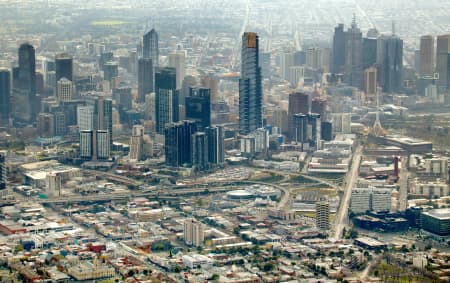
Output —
<point x="342" y="123"/>
<point x="86" y="144"/>
<point x="354" y="56"/>
<point x="295" y="75"/>
<point x="298" y="104"/>
<point x="24" y="84"/>
<point x="370" y="82"/>
<point x="319" y="106"/>
<point x="315" y="58"/>
<point x="3" y="170"/>
<point x="211" y="83"/>
<point x="299" y="130"/>
<point x="104" y="111"/>
<point x="442" y="62"/>
<point x="150" y="48"/>
<point x="123" y="96"/>
<point x="145" y="78"/>
<point x="194" y="233"/>
<point x="103" y="144"/>
<point x="287" y="61"/>
<point x="264" y="62"/>
<point x="326" y="131"/>
<point x="198" y="107"/>
<point x="166" y="98"/>
<point x="437" y="221"/>
<point x="216" y="151"/>
<point x="199" y="149"/>
<point x="64" y="89"/>
<point x="46" y="125"/>
<point x="178" y="139"/>
<point x="426" y="56"/>
<point x="104" y="58"/>
<point x="390" y="63"/>
<point x="60" y="123"/>
<point x="323" y="215"/>
<point x="64" y="67"/>
<point x="370" y="49"/>
<point x="5" y="97"/>
<point x="85" y="117"/>
<point x="338" y="52"/>
<point x="94" y="144"/>
<point x="177" y="60"/>
<point x="370" y="199"/>
<point x="149" y="109"/>
<point x="250" y="88"/>
<point x="137" y="143"/>
<point x="53" y="184"/>
<point x="110" y="72"/>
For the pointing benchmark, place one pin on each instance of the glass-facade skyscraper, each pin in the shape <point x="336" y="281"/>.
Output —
<point x="166" y="98"/>
<point x="5" y="93"/>
<point x="390" y="63"/>
<point x="250" y="88"/>
<point x="150" y="47"/>
<point x="24" y="84"/>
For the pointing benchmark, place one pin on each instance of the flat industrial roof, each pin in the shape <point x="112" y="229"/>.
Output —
<point x="441" y="213"/>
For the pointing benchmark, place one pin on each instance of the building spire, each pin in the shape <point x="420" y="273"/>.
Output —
<point x="354" y="21"/>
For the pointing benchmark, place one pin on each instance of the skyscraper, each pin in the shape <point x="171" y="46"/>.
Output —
<point x="287" y="60"/>
<point x="53" y="184"/>
<point x="250" y="88"/>
<point x="150" y="47"/>
<point x="64" y="89"/>
<point x="199" y="149"/>
<point x="145" y="78"/>
<point x="3" y="172"/>
<point x="442" y="50"/>
<point x="426" y="56"/>
<point x="194" y="233"/>
<point x="110" y="72"/>
<point x="5" y="96"/>
<point x="177" y="60"/>
<point x="215" y="137"/>
<point x="85" y="117"/>
<point x="64" y="66"/>
<point x="24" y="84"/>
<point x="166" y="98"/>
<point x="354" y="56"/>
<point x="323" y="215"/>
<point x="104" y="117"/>
<point x="338" y="52"/>
<point x="178" y="139"/>
<point x="298" y="104"/>
<point x="390" y="63"/>
<point x="369" y="52"/>
<point x="198" y="107"/>
<point x="137" y="143"/>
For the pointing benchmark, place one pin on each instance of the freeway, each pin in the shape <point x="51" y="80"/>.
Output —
<point x="351" y="178"/>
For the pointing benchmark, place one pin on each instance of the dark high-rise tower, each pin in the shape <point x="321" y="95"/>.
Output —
<point x="390" y="63"/>
<point x="198" y="107"/>
<point x="338" y="52"/>
<point x="353" y="56"/>
<point x="442" y="51"/>
<point x="145" y="78"/>
<point x="3" y="172"/>
<point x="5" y="95"/>
<point x="150" y="48"/>
<point x="370" y="49"/>
<point x="298" y="104"/>
<point x="426" y="56"/>
<point x="24" y="84"/>
<point x="64" y="66"/>
<point x="178" y="139"/>
<point x="250" y="88"/>
<point x="104" y="117"/>
<point x="166" y="98"/>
